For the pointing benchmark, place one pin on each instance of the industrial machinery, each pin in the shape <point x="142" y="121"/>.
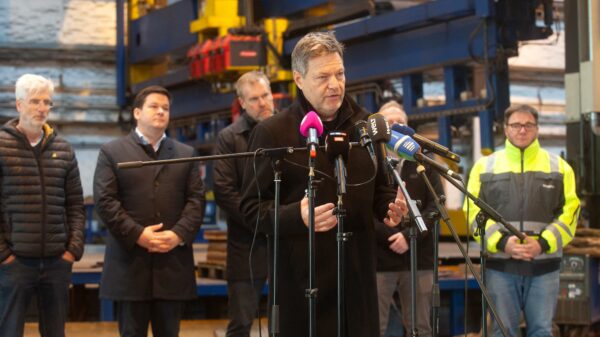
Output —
<point x="582" y="82"/>
<point x="578" y="298"/>
<point x="198" y="48"/>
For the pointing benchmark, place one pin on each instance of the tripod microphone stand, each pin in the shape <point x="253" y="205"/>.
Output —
<point x="485" y="208"/>
<point x="276" y="158"/>
<point x="311" y="292"/>
<point x="337" y="148"/>
<point x="415" y="216"/>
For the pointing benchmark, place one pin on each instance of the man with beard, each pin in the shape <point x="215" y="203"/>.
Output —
<point x="41" y="213"/>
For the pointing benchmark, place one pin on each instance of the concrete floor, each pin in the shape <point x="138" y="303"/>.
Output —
<point x="197" y="328"/>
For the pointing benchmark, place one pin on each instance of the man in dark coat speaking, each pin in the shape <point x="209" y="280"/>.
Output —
<point x="152" y="214"/>
<point x="319" y="75"/>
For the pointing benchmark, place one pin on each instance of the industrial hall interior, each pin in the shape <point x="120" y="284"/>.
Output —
<point x="287" y="168"/>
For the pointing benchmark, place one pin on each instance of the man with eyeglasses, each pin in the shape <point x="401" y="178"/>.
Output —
<point x="534" y="190"/>
<point x="153" y="214"/>
<point x="246" y="250"/>
<point x="41" y="214"/>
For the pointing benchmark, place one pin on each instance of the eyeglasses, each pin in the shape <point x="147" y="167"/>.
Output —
<point x="519" y="126"/>
<point x="46" y="102"/>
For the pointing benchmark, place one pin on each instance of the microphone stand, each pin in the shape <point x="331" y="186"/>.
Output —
<point x="342" y="237"/>
<point x="486" y="209"/>
<point x="311" y="292"/>
<point x="481" y="219"/>
<point x="276" y="158"/>
<point x="435" y="287"/>
<point x="415" y="215"/>
<point x="276" y="155"/>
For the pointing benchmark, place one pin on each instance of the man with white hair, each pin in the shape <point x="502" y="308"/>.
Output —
<point x="41" y="214"/>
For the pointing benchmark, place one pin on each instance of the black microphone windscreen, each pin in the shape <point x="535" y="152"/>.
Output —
<point x="336" y="144"/>
<point x="378" y="128"/>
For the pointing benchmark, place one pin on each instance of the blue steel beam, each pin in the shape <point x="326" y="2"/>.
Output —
<point x="162" y="31"/>
<point x="279" y="8"/>
<point x="419" y="37"/>
<point x="198" y="98"/>
<point x="395" y="54"/>
<point x="398" y="21"/>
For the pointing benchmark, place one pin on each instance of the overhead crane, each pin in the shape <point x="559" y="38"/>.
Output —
<point x="455" y="36"/>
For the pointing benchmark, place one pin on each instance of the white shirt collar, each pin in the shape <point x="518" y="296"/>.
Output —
<point x="146" y="142"/>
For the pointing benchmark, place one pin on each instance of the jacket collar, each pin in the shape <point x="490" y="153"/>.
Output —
<point x="166" y="147"/>
<point x="145" y="141"/>
<point x="11" y="127"/>
<point x="344" y="113"/>
<point x="166" y="150"/>
<point x="529" y="153"/>
<point x="246" y="124"/>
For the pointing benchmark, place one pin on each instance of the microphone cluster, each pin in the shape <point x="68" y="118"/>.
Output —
<point x="376" y="132"/>
<point x="400" y="141"/>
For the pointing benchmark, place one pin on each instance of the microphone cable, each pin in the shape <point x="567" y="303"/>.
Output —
<point x="330" y="177"/>
<point x="252" y="245"/>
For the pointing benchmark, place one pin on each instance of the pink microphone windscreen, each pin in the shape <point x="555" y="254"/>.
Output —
<point x="311" y="121"/>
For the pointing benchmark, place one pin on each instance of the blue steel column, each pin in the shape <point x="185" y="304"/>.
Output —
<point x="412" y="90"/>
<point x="368" y="101"/>
<point x="501" y="83"/>
<point x="497" y="88"/>
<point x="455" y="82"/>
<point x="121" y="55"/>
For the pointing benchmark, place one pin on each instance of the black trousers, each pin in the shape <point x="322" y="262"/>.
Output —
<point x="243" y="306"/>
<point x="163" y="315"/>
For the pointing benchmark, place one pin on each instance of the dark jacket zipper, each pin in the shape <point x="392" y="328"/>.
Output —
<point x="38" y="157"/>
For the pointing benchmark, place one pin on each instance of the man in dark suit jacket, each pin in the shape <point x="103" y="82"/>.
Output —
<point x="152" y="214"/>
<point x="244" y="281"/>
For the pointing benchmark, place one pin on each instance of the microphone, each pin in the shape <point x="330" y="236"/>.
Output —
<point x="380" y="133"/>
<point x="311" y="128"/>
<point x="365" y="140"/>
<point x="337" y="148"/>
<point x="408" y="148"/>
<point x="426" y="143"/>
<point x="337" y="144"/>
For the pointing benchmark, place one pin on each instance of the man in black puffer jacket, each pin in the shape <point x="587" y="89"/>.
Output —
<point x="41" y="213"/>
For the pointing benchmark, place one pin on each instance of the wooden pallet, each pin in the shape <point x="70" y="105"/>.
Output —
<point x="209" y="270"/>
